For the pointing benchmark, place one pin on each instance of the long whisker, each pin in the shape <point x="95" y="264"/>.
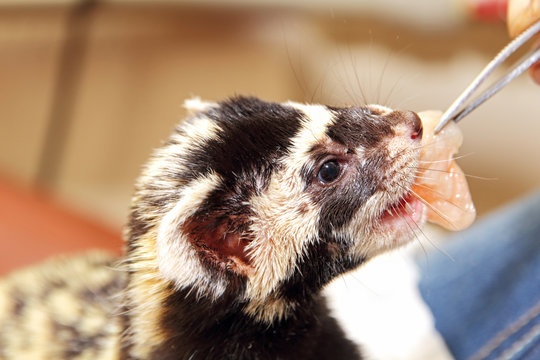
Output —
<point x="348" y="88"/>
<point x="428" y="188"/>
<point x="355" y="71"/>
<point x="320" y="83"/>
<point x="418" y="176"/>
<point x="428" y="169"/>
<point x="415" y="234"/>
<point x="405" y="151"/>
<point x="423" y="146"/>
<point x="381" y="76"/>
<point x="448" y="172"/>
<point x="392" y="89"/>
<point x="445" y="160"/>
<point x="427" y="178"/>
<point x="429" y="205"/>
<point x="402" y="50"/>
<point x="480" y="177"/>
<point x="347" y="80"/>
<point x="418" y="228"/>
<point x="432" y="243"/>
<point x="300" y="78"/>
<point x="434" y="142"/>
<point x="442" y="197"/>
<point x="419" y="147"/>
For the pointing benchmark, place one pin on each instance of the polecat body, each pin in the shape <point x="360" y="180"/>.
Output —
<point x="237" y="223"/>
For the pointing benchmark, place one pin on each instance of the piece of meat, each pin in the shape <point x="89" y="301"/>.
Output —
<point x="440" y="182"/>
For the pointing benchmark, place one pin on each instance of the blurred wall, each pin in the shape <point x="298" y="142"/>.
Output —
<point x="87" y="92"/>
<point x="134" y="67"/>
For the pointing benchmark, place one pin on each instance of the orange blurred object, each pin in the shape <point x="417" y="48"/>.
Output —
<point x="33" y="227"/>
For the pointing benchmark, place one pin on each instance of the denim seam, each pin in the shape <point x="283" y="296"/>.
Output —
<point x="521" y="343"/>
<point x="504" y="334"/>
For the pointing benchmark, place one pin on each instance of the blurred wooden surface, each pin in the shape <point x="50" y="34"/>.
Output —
<point x="34" y="227"/>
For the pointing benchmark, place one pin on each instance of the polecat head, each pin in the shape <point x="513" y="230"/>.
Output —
<point x="271" y="201"/>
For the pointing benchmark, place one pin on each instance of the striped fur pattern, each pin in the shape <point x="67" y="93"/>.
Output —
<point x="237" y="223"/>
<point x="64" y="309"/>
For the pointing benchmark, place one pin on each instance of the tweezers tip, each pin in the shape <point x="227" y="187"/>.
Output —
<point x="441" y="125"/>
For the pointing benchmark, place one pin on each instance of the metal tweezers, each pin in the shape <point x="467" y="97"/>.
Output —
<point x="459" y="110"/>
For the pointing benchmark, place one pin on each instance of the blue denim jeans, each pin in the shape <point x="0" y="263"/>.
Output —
<point x="484" y="290"/>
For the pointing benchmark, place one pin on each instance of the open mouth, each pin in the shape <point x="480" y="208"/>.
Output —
<point x="407" y="210"/>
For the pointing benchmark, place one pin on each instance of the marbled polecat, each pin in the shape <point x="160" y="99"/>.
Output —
<point x="237" y="223"/>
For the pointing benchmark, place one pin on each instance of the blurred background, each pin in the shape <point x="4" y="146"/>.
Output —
<point x="89" y="88"/>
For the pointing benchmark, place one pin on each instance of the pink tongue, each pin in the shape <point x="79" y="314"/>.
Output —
<point x="440" y="182"/>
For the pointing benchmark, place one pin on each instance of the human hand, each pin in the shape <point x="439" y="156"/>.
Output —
<point x="520" y="15"/>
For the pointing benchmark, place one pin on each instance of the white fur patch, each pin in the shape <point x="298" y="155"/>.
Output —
<point x="177" y="259"/>
<point x="196" y="105"/>
<point x="285" y="219"/>
<point x="316" y="121"/>
<point x="380" y="108"/>
<point x="198" y="129"/>
<point x="165" y="160"/>
<point x="392" y="310"/>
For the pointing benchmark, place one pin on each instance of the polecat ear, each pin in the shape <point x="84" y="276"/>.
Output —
<point x="221" y="242"/>
<point x="192" y="237"/>
<point x="196" y="105"/>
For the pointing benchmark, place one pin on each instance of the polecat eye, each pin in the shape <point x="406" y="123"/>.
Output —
<point x="329" y="171"/>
